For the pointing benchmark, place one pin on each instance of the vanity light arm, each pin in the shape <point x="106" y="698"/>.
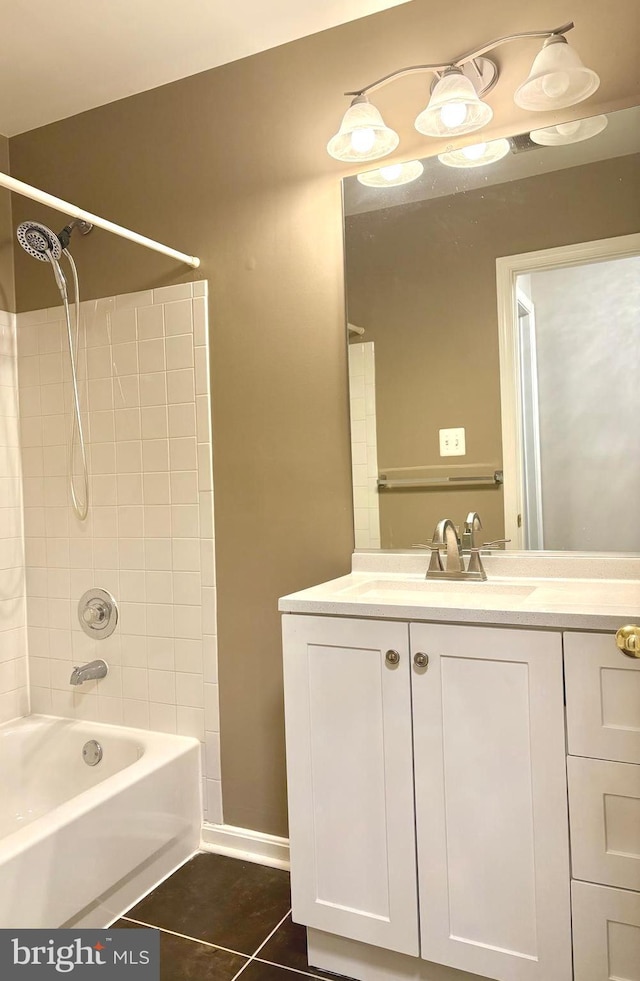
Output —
<point x="458" y="62"/>
<point x="413" y="70"/>
<point x="478" y="52"/>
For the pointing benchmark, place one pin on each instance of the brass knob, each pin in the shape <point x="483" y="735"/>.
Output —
<point x="628" y="640"/>
<point x="392" y="657"/>
<point x="421" y="660"/>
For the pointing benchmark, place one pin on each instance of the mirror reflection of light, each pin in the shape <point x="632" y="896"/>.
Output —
<point x="568" y="129"/>
<point x="477" y="155"/>
<point x="475" y="152"/>
<point x="392" y="175"/>
<point x="572" y="132"/>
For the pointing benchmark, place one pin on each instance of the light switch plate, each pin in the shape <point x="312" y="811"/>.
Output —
<point x="452" y="442"/>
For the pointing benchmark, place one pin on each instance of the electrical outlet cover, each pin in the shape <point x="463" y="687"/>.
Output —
<point x="452" y="442"/>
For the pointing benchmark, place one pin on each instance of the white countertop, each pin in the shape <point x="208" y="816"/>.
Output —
<point x="515" y="600"/>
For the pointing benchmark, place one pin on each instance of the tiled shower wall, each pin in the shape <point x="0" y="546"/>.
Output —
<point x="148" y="537"/>
<point x="364" y="444"/>
<point x="14" y="699"/>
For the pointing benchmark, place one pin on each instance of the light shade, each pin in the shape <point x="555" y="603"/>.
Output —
<point x="573" y="132"/>
<point x="477" y="155"/>
<point x="393" y="175"/>
<point x="557" y="78"/>
<point x="454" y="107"/>
<point x="362" y="134"/>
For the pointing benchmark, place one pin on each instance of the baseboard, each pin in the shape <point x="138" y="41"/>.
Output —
<point x="251" y="846"/>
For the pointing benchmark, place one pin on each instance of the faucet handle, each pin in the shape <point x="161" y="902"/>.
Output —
<point x="494" y="544"/>
<point x="434" y="546"/>
<point x="435" y="565"/>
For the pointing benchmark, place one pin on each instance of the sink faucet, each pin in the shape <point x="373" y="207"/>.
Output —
<point x="445" y="535"/>
<point x="88" y="672"/>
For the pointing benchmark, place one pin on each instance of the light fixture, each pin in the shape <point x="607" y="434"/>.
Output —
<point x="557" y="78"/>
<point x="477" y="155"/>
<point x="454" y="107"/>
<point x="393" y="175"/>
<point x="362" y="134"/>
<point x="573" y="132"/>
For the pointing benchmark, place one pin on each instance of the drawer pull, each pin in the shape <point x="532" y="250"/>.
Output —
<point x="392" y="657"/>
<point x="628" y="640"/>
<point x="421" y="660"/>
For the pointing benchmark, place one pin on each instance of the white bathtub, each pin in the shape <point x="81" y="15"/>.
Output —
<point x="80" y="844"/>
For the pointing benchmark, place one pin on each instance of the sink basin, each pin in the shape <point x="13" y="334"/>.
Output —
<point x="478" y="595"/>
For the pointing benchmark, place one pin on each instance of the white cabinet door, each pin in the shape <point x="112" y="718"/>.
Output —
<point x="606" y="933"/>
<point x="491" y="797"/>
<point x="603" y="698"/>
<point x="604" y="809"/>
<point x="350" y="777"/>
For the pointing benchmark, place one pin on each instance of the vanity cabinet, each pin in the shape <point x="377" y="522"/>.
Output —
<point x="476" y="715"/>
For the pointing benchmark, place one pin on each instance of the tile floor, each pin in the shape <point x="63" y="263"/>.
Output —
<point x="221" y="919"/>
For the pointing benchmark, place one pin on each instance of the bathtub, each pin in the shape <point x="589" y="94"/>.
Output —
<point x="80" y="844"/>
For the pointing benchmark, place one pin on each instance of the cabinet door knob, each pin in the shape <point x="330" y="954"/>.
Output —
<point x="628" y="640"/>
<point x="421" y="660"/>
<point x="392" y="657"/>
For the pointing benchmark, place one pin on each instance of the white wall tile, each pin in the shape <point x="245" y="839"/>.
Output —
<point x="178" y="317"/>
<point x="150" y="322"/>
<point x="149" y="535"/>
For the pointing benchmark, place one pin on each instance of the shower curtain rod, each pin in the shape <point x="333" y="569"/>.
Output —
<point x="19" y="187"/>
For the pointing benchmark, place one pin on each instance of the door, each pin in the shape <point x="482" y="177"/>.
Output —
<point x="491" y="799"/>
<point x="350" y="779"/>
<point x="603" y="698"/>
<point x="606" y="933"/>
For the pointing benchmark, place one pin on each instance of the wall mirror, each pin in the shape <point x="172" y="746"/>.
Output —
<point x="494" y="340"/>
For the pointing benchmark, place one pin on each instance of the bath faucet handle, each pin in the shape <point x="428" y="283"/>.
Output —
<point x="494" y="544"/>
<point x="95" y="612"/>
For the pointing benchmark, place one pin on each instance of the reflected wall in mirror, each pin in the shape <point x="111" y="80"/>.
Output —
<point x="434" y="301"/>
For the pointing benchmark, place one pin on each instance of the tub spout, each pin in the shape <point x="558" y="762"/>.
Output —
<point x="88" y="672"/>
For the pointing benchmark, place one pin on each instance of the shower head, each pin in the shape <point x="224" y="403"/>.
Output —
<point x="39" y="241"/>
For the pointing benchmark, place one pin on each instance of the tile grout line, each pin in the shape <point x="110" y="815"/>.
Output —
<point x="268" y="938"/>
<point x="184" y="936"/>
<point x="259" y="948"/>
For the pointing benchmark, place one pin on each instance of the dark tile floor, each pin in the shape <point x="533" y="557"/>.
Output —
<point x="221" y="918"/>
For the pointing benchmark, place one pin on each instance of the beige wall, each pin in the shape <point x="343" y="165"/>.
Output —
<point x="231" y="165"/>
<point x="421" y="279"/>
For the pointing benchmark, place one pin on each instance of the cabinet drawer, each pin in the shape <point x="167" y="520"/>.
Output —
<point x="603" y="698"/>
<point x="606" y="933"/>
<point x="604" y="809"/>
